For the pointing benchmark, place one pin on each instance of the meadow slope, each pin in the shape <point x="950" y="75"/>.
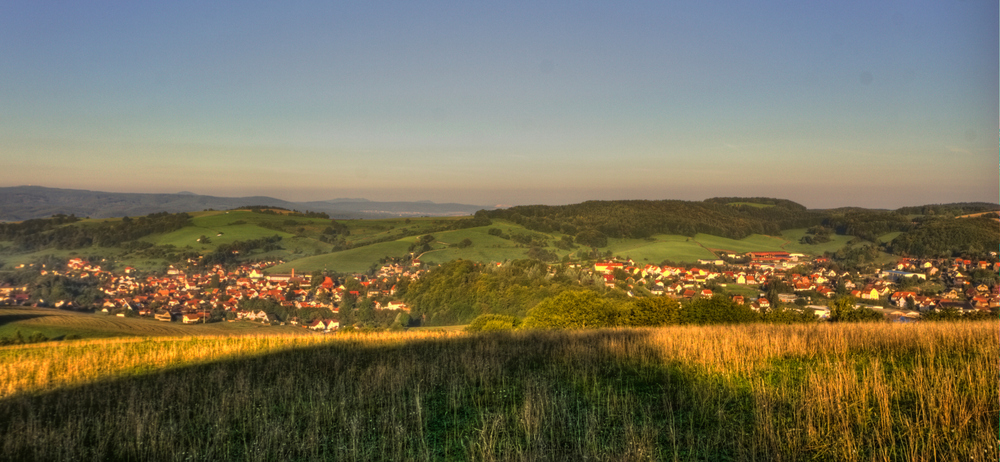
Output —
<point x="755" y="392"/>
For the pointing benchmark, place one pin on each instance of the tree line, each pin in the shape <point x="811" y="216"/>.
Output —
<point x="63" y="232"/>
<point x="642" y="218"/>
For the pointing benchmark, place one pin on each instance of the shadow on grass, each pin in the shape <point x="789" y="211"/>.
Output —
<point x="11" y="318"/>
<point x="525" y="396"/>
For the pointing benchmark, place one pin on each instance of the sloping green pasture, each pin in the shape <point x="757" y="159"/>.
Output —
<point x="836" y="243"/>
<point x="663" y="247"/>
<point x="59" y="323"/>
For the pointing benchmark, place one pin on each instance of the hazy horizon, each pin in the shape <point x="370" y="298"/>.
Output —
<point x="848" y="104"/>
<point x="417" y="199"/>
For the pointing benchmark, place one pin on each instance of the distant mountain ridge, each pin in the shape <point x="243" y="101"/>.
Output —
<point x="26" y="202"/>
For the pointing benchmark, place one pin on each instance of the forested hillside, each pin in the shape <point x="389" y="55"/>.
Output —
<point x="727" y="217"/>
<point x="946" y="237"/>
<point x="61" y="232"/>
<point x="650" y="231"/>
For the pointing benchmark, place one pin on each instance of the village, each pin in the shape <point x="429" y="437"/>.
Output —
<point x="199" y="295"/>
<point x="806" y="282"/>
<point x="192" y="297"/>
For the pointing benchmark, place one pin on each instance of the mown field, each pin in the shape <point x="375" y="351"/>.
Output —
<point x="57" y="324"/>
<point x="804" y="392"/>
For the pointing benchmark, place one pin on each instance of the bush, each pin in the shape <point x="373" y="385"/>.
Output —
<point x="493" y="322"/>
<point x="573" y="310"/>
<point x="655" y="311"/>
<point x="843" y="310"/>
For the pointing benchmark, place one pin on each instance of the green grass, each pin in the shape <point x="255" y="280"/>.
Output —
<point x="301" y="248"/>
<point x="744" y="290"/>
<point x="485" y="248"/>
<point x="888" y="237"/>
<point x="211" y="225"/>
<point x="356" y="260"/>
<point x="662" y="247"/>
<point x="836" y="243"/>
<point x="58" y="324"/>
<point x="752" y="243"/>
<point x="802" y="392"/>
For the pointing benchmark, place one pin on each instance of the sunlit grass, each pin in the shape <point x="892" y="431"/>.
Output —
<point x="803" y="392"/>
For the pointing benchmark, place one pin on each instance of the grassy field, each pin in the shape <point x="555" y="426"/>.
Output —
<point x="347" y="261"/>
<point x="888" y="237"/>
<point x="662" y="247"/>
<point x="836" y="243"/>
<point x="485" y="248"/>
<point x="301" y="247"/>
<point x="752" y="243"/>
<point x="805" y="392"/>
<point x="58" y="323"/>
<point x="234" y="226"/>
<point x="744" y="290"/>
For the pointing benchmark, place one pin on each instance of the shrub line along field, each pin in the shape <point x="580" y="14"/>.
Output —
<point x="753" y="392"/>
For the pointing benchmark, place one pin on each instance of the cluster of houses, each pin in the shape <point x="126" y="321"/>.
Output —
<point x="190" y="297"/>
<point x="761" y="268"/>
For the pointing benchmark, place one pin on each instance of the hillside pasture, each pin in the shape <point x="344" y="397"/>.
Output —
<point x="357" y="260"/>
<point x="367" y="230"/>
<point x="57" y="324"/>
<point x="888" y="237"/>
<point x="211" y="226"/>
<point x="752" y="243"/>
<point x="485" y="248"/>
<point x="837" y="242"/>
<point x="662" y="247"/>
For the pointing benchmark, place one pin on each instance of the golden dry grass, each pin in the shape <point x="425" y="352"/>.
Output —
<point x="809" y="392"/>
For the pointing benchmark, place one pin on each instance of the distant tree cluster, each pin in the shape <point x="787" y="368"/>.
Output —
<point x="816" y="235"/>
<point x="593" y="222"/>
<point x="229" y="253"/>
<point x="273" y="210"/>
<point x="63" y="232"/>
<point x="953" y="209"/>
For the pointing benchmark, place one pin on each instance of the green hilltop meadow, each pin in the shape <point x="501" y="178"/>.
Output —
<point x="645" y="231"/>
<point x="374" y="240"/>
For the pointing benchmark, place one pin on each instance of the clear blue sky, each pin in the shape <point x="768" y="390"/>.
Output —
<point x="878" y="104"/>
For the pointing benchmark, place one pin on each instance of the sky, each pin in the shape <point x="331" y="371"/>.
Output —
<point x="873" y="104"/>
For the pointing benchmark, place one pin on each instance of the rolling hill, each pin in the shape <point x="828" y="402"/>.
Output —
<point x="27" y="202"/>
<point x="311" y="242"/>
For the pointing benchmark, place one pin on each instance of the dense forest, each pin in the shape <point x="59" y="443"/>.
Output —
<point x="947" y="237"/>
<point x="954" y="209"/>
<point x="728" y="217"/>
<point x="868" y="224"/>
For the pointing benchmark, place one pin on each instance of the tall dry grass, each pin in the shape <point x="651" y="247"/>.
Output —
<point x="811" y="392"/>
